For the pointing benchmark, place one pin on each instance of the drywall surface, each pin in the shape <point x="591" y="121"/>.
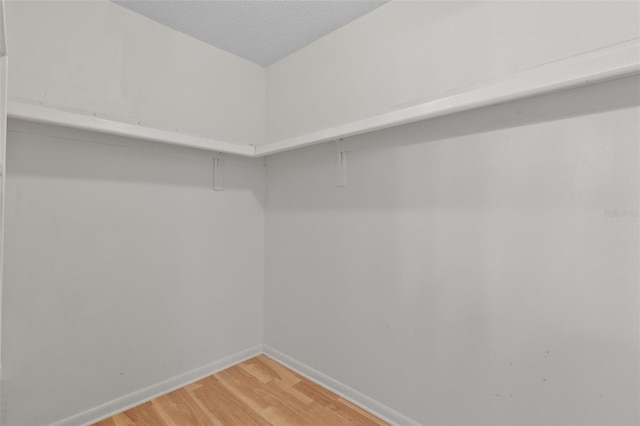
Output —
<point x="3" y="141"/>
<point x="123" y="267"/>
<point x="408" y="52"/>
<point x="3" y="31"/>
<point x="3" y="144"/>
<point x="478" y="269"/>
<point x="96" y="57"/>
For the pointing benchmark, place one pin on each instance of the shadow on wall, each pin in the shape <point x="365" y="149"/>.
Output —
<point x="470" y="262"/>
<point x="412" y="164"/>
<point x="64" y="153"/>
<point x="593" y="99"/>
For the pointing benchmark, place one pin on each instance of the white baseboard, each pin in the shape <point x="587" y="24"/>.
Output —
<point x="141" y="396"/>
<point x="361" y="400"/>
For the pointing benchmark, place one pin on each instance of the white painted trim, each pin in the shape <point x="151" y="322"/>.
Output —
<point x="361" y="400"/>
<point x="619" y="60"/>
<point x="48" y="115"/>
<point x="141" y="396"/>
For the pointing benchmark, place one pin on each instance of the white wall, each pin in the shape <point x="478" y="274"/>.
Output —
<point x="123" y="267"/>
<point x="407" y="52"/>
<point x="96" y="57"/>
<point x="470" y="273"/>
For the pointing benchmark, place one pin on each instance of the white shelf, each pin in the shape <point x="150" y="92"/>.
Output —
<point x="617" y="61"/>
<point x="608" y="63"/>
<point x="42" y="114"/>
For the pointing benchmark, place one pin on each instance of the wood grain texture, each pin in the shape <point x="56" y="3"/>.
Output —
<point x="256" y="392"/>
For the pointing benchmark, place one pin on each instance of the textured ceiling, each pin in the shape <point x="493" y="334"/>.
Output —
<point x="262" y="31"/>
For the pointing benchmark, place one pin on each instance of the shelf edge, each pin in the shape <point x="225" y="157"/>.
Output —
<point x="611" y="62"/>
<point x="48" y="115"/>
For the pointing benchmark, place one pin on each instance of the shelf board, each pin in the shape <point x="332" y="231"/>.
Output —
<point x="48" y="115"/>
<point x="617" y="61"/>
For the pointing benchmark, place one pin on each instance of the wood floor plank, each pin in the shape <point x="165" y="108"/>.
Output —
<point x="268" y="398"/>
<point x="285" y="405"/>
<point x="325" y="416"/>
<point x="257" y="392"/>
<point x="244" y="386"/>
<point x="119" y="420"/>
<point x="365" y="413"/>
<point x="293" y="392"/>
<point x="211" y="419"/>
<point x="350" y="412"/>
<point x="146" y="414"/>
<point x="111" y="421"/>
<point x="227" y="407"/>
<point x="259" y="370"/>
<point x="181" y="409"/>
<point x="280" y="370"/>
<point x="280" y="417"/>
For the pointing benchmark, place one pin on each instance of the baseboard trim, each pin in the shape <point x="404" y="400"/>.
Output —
<point x="361" y="400"/>
<point x="141" y="396"/>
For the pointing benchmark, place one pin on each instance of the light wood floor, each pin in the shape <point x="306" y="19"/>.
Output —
<point x="256" y="392"/>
